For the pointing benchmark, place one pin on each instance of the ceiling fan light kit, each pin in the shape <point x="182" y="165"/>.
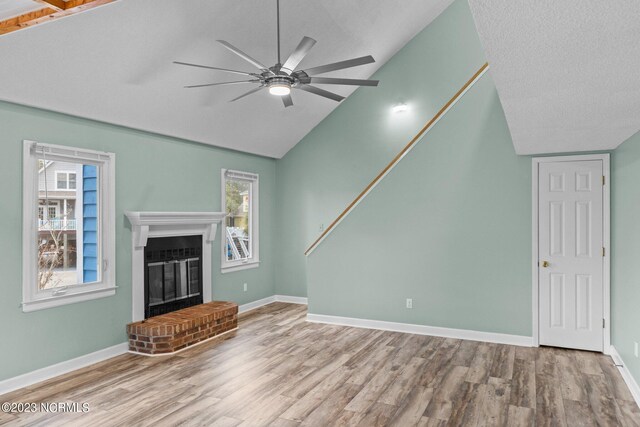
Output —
<point x="281" y="78"/>
<point x="279" y="86"/>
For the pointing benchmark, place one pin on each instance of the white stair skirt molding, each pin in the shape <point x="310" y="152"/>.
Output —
<point x="269" y="300"/>
<point x="61" y="368"/>
<point x="435" y="331"/>
<point x="634" y="388"/>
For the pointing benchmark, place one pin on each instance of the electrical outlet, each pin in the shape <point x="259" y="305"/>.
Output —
<point x="245" y="287"/>
<point x="409" y="303"/>
<point x="635" y="349"/>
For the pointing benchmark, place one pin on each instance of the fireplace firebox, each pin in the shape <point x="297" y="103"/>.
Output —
<point x="172" y="274"/>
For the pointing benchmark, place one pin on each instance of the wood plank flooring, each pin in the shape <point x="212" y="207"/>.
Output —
<point x="279" y="370"/>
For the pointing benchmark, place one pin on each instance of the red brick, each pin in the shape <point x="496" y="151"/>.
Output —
<point x="179" y="329"/>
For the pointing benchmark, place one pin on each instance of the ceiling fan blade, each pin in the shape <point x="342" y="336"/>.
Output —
<point x="321" y="92"/>
<point x="301" y="51"/>
<point x="247" y="93"/>
<point x="337" y="81"/>
<point x="244" y="56"/>
<point x="340" y="65"/>
<point x="223" y="83"/>
<point x="215" y="68"/>
<point x="286" y="99"/>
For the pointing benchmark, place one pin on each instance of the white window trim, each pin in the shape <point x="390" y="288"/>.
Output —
<point x="32" y="298"/>
<point x="67" y="173"/>
<point x="254" y="261"/>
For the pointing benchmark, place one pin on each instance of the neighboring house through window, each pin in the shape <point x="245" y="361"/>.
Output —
<point x="69" y="225"/>
<point x="240" y="249"/>
<point x="65" y="180"/>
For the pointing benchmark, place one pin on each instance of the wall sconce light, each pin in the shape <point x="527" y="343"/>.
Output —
<point x="400" y="108"/>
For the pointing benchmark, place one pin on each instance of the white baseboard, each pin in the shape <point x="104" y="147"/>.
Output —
<point x="291" y="300"/>
<point x="48" y="372"/>
<point x="268" y="300"/>
<point x="256" y="304"/>
<point x="463" y="334"/>
<point x="626" y="375"/>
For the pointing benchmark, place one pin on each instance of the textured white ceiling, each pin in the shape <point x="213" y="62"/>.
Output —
<point x="114" y="63"/>
<point x="567" y="72"/>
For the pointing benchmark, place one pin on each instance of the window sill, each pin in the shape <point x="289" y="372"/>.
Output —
<point x="60" y="300"/>
<point x="240" y="267"/>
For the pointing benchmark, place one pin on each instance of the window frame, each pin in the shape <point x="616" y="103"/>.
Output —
<point x="254" y="208"/>
<point x="32" y="298"/>
<point x="68" y="180"/>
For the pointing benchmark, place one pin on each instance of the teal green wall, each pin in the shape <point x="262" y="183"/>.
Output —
<point x="459" y="205"/>
<point x="625" y="251"/>
<point x="152" y="173"/>
<point x="449" y="227"/>
<point x="353" y="273"/>
<point x="320" y="176"/>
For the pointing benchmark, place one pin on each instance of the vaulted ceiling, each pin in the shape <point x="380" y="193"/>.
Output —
<point x="566" y="71"/>
<point x="113" y="63"/>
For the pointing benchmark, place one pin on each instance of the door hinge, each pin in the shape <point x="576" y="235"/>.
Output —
<point x="603" y="251"/>
<point x="602" y="323"/>
<point x="603" y="180"/>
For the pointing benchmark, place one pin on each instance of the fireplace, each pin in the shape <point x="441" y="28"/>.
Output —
<point x="172" y="274"/>
<point x="178" y="260"/>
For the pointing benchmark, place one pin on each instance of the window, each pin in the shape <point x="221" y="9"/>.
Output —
<point x="69" y="238"/>
<point x="65" y="180"/>
<point x="240" y="249"/>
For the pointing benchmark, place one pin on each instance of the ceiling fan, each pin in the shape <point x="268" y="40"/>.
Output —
<point x="281" y="78"/>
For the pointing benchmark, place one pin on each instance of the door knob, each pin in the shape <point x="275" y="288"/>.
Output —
<point x="545" y="264"/>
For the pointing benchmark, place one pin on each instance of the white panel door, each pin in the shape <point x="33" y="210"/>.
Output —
<point x="571" y="254"/>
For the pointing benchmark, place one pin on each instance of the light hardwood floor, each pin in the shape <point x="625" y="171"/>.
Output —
<point x="279" y="370"/>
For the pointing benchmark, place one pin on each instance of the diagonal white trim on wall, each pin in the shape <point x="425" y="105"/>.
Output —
<point x="403" y="153"/>
<point x="436" y="331"/>
<point x="48" y="372"/>
<point x="634" y="388"/>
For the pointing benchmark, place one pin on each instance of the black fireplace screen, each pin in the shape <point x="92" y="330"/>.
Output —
<point x="173" y="274"/>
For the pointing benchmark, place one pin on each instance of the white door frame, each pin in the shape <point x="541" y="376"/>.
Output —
<point x="606" y="205"/>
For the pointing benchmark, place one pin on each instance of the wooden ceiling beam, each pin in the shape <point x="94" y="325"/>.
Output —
<point x="17" y="21"/>
<point x="54" y="4"/>
<point x="75" y="3"/>
<point x="48" y="14"/>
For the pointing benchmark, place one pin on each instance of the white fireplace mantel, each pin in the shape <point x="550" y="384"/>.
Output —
<point x="145" y="225"/>
<point x="142" y="222"/>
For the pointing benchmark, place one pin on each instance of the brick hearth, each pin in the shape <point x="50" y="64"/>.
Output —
<point x="177" y="330"/>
